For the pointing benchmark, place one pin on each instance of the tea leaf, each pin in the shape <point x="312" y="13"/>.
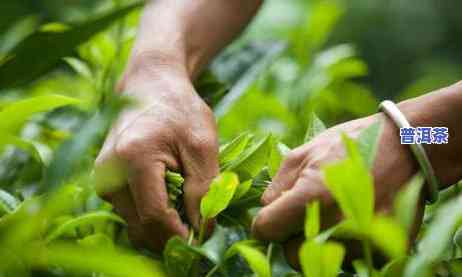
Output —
<point x="99" y="240"/>
<point x="220" y="193"/>
<point x="321" y="259"/>
<point x="80" y="67"/>
<point x="394" y="268"/>
<point x="25" y="65"/>
<point x="216" y="246"/>
<point x="110" y="262"/>
<point x="231" y="151"/>
<point x="242" y="190"/>
<point x="312" y="220"/>
<point x="19" y="112"/>
<point x="69" y="155"/>
<point x="279" y="265"/>
<point x="457" y="239"/>
<point x="407" y="201"/>
<point x="277" y="154"/>
<point x="83" y="220"/>
<point x="315" y="127"/>
<point x="26" y="146"/>
<point x="368" y="143"/>
<point x="256" y="66"/>
<point x="351" y="184"/>
<point x="389" y="236"/>
<point x="435" y="239"/>
<point x="252" y="161"/>
<point x="256" y="260"/>
<point x="8" y="203"/>
<point x="179" y="257"/>
<point x="361" y="268"/>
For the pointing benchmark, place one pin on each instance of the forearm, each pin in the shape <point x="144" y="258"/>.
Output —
<point x="442" y="108"/>
<point x="187" y="34"/>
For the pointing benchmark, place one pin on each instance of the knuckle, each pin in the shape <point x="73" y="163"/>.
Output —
<point x="203" y="142"/>
<point x="126" y="147"/>
<point x="260" y="225"/>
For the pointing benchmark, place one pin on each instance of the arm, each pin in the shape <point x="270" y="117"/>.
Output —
<point x="188" y="34"/>
<point x="170" y="127"/>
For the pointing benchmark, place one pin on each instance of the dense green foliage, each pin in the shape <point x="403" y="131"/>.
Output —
<point x="55" y="109"/>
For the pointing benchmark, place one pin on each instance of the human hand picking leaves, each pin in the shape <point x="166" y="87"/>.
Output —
<point x="170" y="126"/>
<point x="300" y="179"/>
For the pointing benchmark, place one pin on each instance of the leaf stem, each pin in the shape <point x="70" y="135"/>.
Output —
<point x="191" y="236"/>
<point x="212" y="271"/>
<point x="368" y="256"/>
<point x="202" y="230"/>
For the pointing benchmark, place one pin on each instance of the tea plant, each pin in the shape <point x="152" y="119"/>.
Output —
<point x="52" y="223"/>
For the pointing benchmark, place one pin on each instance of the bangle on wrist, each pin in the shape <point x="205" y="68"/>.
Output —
<point x="431" y="186"/>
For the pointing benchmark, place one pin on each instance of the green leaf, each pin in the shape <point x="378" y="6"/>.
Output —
<point x="277" y="155"/>
<point x="407" y="202"/>
<point x="368" y="143"/>
<point x="81" y="221"/>
<point x="8" y="203"/>
<point x="312" y="220"/>
<point x="99" y="240"/>
<point x="80" y="67"/>
<point x="216" y="246"/>
<point x="361" y="268"/>
<point x="279" y="265"/>
<point x="242" y="190"/>
<point x="252" y="161"/>
<point x="109" y="262"/>
<point x="351" y="184"/>
<point x="68" y="158"/>
<point x="25" y="65"/>
<point x="315" y="127"/>
<point x="321" y="259"/>
<point x="394" y="268"/>
<point x="220" y="193"/>
<point x="174" y="178"/>
<point x="389" y="236"/>
<point x="256" y="260"/>
<point x="457" y="239"/>
<point x="231" y="151"/>
<point x="321" y="20"/>
<point x="256" y="67"/>
<point x="210" y="88"/>
<point x="19" y="112"/>
<point x="436" y="239"/>
<point x="179" y="257"/>
<point x="26" y="146"/>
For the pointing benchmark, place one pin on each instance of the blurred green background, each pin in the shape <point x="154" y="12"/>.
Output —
<point x="408" y="44"/>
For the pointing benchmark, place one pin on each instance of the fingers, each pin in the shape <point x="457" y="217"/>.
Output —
<point x="285" y="216"/>
<point x="200" y="167"/>
<point x="285" y="178"/>
<point x="125" y="207"/>
<point x="291" y="249"/>
<point x="147" y="186"/>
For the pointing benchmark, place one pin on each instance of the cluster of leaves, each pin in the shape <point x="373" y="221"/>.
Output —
<point x="52" y="223"/>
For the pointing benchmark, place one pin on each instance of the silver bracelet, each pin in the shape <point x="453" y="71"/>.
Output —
<point x="431" y="188"/>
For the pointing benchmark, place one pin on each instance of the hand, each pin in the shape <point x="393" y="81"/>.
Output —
<point x="169" y="128"/>
<point x="300" y="181"/>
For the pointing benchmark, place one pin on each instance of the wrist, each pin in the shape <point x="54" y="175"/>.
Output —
<point x="441" y="108"/>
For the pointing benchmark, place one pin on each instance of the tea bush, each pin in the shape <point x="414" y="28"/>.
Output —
<point x="56" y="107"/>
